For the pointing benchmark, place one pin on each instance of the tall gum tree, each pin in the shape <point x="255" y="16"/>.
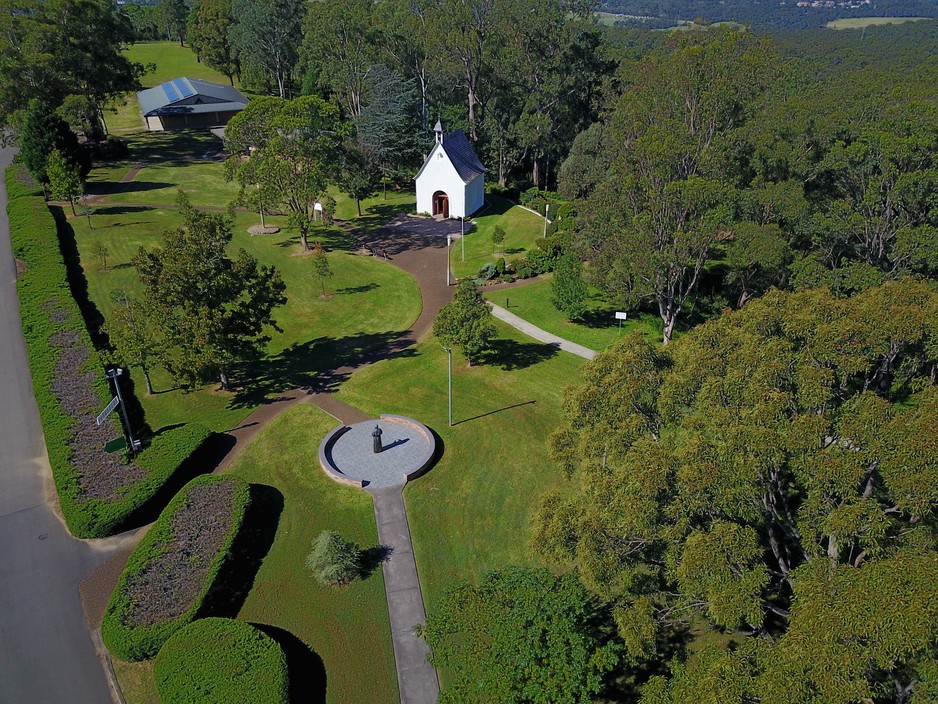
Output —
<point x="650" y="225"/>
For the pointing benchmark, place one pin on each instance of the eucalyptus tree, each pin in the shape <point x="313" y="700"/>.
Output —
<point x="649" y="226"/>
<point x="771" y="476"/>
<point x="267" y="35"/>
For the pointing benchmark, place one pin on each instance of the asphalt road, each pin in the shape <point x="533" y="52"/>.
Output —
<point x="46" y="651"/>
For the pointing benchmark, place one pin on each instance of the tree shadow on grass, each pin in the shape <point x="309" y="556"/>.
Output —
<point x="111" y="188"/>
<point x="511" y="355"/>
<point x="315" y="366"/>
<point x="306" y="670"/>
<point x="373" y="558"/>
<point x="364" y="288"/>
<point x="236" y="577"/>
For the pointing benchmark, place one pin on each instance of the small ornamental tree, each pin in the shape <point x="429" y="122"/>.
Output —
<point x="100" y="250"/>
<point x="64" y="179"/>
<point x="568" y="291"/>
<point x="321" y="266"/>
<point x="498" y="237"/>
<point x="465" y="322"/>
<point x="333" y="560"/>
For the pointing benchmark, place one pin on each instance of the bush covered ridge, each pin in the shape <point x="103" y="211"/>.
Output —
<point x="172" y="570"/>
<point x="98" y="493"/>
<point x="220" y="661"/>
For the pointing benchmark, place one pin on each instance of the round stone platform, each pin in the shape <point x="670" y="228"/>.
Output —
<point x="408" y="450"/>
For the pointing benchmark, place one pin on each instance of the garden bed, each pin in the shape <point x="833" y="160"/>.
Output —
<point x="100" y="493"/>
<point x="172" y="570"/>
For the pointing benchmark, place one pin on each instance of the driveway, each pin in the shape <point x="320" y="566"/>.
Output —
<point x="46" y="651"/>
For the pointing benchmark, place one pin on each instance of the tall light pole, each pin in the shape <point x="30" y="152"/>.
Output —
<point x="448" y="242"/>
<point x="462" y="236"/>
<point x="546" y="207"/>
<point x="449" y="354"/>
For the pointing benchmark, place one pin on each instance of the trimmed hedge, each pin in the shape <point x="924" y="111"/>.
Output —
<point x="142" y="642"/>
<point x="221" y="661"/>
<point x="52" y="326"/>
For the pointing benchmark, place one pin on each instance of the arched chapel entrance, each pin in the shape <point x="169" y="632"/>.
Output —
<point x="441" y="204"/>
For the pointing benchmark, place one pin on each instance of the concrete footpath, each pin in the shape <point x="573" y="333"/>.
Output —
<point x="542" y="335"/>
<point x="416" y="678"/>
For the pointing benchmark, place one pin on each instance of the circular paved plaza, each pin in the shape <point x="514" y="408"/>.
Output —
<point x="407" y="450"/>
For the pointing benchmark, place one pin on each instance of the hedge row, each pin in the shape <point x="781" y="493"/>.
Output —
<point x="172" y="571"/>
<point x="221" y="661"/>
<point x="54" y="332"/>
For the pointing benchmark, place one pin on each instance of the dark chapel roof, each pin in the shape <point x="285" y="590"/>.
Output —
<point x="462" y="155"/>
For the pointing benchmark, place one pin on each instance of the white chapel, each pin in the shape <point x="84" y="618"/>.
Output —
<point x="451" y="182"/>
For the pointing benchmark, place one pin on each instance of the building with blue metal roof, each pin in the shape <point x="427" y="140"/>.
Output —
<point x="188" y="103"/>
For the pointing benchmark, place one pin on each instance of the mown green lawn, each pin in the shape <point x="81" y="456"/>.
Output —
<point x="344" y="631"/>
<point x="367" y="303"/>
<point x="598" y="327"/>
<point x="522" y="229"/>
<point x="348" y="627"/>
<point x="472" y="512"/>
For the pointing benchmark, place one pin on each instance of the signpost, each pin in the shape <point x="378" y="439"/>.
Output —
<point x="112" y="374"/>
<point x="620" y="316"/>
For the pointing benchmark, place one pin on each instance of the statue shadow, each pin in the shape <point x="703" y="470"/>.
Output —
<point x="306" y="670"/>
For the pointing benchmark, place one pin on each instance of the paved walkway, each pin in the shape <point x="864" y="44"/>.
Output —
<point x="542" y="335"/>
<point x="416" y="678"/>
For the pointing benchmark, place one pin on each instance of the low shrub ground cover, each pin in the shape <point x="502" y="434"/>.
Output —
<point x="99" y="492"/>
<point x="221" y="661"/>
<point x="172" y="570"/>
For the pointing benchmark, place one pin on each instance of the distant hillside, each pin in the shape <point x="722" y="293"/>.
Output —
<point x="761" y="15"/>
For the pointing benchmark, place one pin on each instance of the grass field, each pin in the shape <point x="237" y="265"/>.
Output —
<point x="348" y="627"/>
<point x="368" y="303"/>
<point x="171" y="61"/>
<point x="597" y="330"/>
<point x="344" y="631"/>
<point x="862" y="22"/>
<point x="471" y="513"/>
<point x="522" y="228"/>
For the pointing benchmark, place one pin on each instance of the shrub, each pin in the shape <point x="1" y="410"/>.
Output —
<point x="500" y="266"/>
<point x="334" y="560"/>
<point x="98" y="493"/>
<point x="487" y="272"/>
<point x="171" y="572"/>
<point x="219" y="661"/>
